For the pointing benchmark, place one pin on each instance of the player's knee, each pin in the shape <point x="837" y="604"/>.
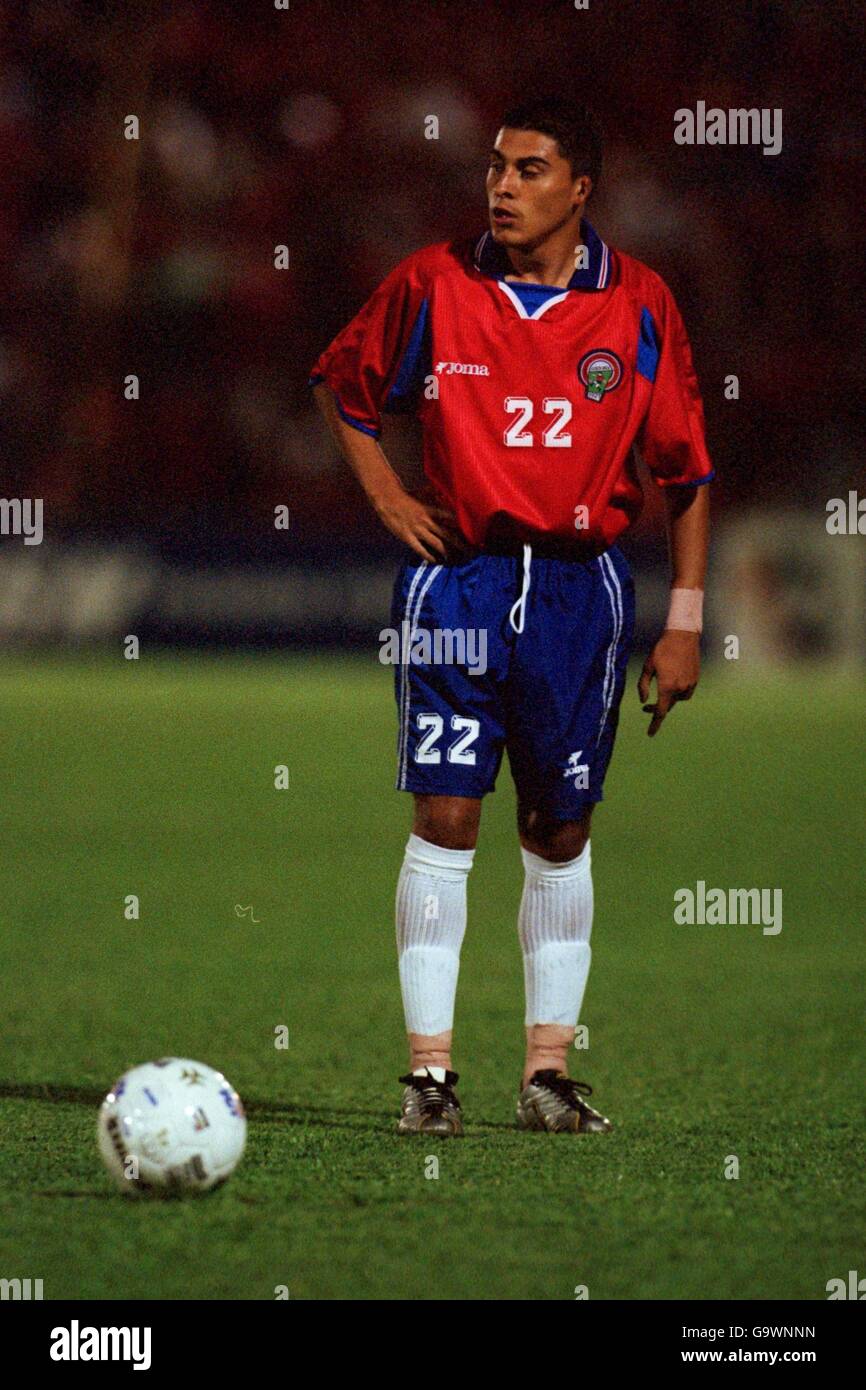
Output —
<point x="449" y="821"/>
<point x="556" y="840"/>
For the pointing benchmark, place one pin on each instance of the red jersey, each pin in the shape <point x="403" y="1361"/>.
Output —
<point x="531" y="398"/>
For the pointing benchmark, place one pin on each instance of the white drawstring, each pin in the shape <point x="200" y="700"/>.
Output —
<point x="520" y="605"/>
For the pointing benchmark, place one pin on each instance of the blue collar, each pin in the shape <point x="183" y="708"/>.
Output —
<point x="492" y="259"/>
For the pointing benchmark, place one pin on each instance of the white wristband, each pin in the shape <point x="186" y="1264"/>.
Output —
<point x="686" y="612"/>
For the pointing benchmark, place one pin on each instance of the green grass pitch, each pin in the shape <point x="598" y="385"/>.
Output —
<point x="156" y="778"/>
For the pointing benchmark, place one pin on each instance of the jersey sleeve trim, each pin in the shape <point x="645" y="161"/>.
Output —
<point x="689" y="482"/>
<point x="316" y="379"/>
<point x="354" y="422"/>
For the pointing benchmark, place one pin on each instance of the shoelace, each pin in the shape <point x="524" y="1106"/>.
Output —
<point x="564" y="1087"/>
<point x="433" y="1095"/>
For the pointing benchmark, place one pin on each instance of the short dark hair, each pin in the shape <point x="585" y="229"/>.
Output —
<point x="574" y="127"/>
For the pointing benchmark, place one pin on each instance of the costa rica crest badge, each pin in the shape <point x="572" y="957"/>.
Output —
<point x="600" y="371"/>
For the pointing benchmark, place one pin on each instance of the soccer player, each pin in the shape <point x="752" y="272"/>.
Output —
<point x="536" y="357"/>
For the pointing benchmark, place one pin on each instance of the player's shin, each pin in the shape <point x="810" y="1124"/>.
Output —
<point x="431" y="922"/>
<point x="554" y="924"/>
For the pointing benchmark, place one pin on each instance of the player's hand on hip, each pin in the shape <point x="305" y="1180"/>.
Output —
<point x="675" y="663"/>
<point x="430" y="530"/>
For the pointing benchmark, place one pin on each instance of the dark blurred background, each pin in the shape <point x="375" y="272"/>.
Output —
<point x="305" y="128"/>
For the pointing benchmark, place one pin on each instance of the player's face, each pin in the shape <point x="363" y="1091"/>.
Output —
<point x="531" y="191"/>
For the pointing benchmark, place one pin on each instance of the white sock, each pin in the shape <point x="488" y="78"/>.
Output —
<point x="437" y="1073"/>
<point x="554" y="924"/>
<point x="431" y="921"/>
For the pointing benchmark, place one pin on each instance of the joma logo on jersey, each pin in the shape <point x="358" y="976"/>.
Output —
<point x="461" y="369"/>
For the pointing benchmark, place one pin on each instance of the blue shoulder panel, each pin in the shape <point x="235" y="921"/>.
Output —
<point x="647" y="346"/>
<point x="417" y="364"/>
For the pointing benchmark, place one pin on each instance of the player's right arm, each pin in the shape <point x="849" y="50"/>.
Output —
<point x="378" y="356"/>
<point x="430" y="531"/>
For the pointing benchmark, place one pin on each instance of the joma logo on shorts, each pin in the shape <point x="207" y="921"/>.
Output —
<point x="578" y="770"/>
<point x="462" y="368"/>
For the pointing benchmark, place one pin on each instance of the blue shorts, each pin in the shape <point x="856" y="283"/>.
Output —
<point x="525" y="654"/>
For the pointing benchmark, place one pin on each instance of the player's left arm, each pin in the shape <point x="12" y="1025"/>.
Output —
<point x="675" y="660"/>
<point x="672" y="442"/>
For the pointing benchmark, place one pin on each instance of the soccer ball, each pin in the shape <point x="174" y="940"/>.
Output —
<point x="171" y="1128"/>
